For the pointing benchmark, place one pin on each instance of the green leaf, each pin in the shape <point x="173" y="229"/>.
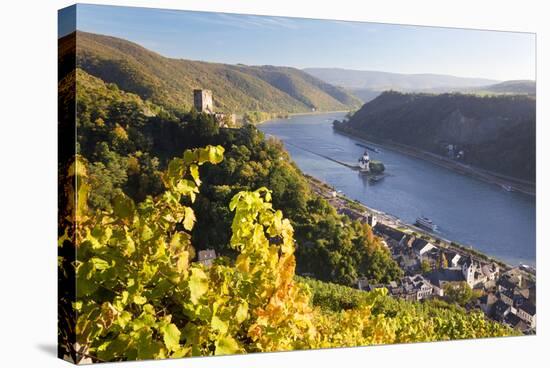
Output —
<point x="171" y="336"/>
<point x="215" y="154"/>
<point x="194" y="170"/>
<point x="86" y="283"/>
<point x="218" y="325"/>
<point x="145" y="320"/>
<point x="113" y="349"/>
<point x="139" y="299"/>
<point x="198" y="284"/>
<point x="189" y="219"/>
<point x="181" y="352"/>
<point x="147" y="347"/>
<point x="242" y="312"/>
<point x="123" y="207"/>
<point x="226" y="345"/>
<point x="212" y="154"/>
<point x="189" y="156"/>
<point x="99" y="264"/>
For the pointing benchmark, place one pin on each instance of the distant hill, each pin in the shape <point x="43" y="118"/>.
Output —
<point x="496" y="133"/>
<point x="381" y="81"/>
<point x="527" y="87"/>
<point x="236" y="88"/>
<point x="365" y="94"/>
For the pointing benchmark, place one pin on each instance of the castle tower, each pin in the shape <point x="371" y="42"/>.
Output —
<point x="202" y="99"/>
<point x="364" y="162"/>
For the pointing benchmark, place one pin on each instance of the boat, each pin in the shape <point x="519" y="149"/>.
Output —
<point x="507" y="187"/>
<point x="373" y="149"/>
<point x="425" y="223"/>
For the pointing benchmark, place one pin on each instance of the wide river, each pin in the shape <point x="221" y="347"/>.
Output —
<point x="466" y="210"/>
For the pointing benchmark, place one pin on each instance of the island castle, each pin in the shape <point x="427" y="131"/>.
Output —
<point x="203" y="102"/>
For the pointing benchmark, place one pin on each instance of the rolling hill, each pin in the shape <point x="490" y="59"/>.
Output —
<point x="381" y="81"/>
<point x="496" y="133"/>
<point x="236" y="88"/>
<point x="526" y="87"/>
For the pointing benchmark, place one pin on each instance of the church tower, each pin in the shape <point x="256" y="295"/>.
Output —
<point x="468" y="270"/>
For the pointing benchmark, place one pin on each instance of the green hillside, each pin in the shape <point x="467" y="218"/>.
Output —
<point x="236" y="88"/>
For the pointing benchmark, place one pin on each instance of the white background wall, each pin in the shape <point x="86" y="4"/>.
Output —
<point x="28" y="179"/>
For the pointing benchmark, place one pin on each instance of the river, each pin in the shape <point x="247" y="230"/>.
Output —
<point x="466" y="210"/>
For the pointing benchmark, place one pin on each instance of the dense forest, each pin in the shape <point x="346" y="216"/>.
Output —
<point x="496" y="133"/>
<point x="236" y="88"/>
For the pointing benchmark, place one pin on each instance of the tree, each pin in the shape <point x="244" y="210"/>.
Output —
<point x="442" y="261"/>
<point x="460" y="293"/>
<point x="425" y="266"/>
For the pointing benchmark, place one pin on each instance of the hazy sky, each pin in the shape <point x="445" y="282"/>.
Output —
<point x="259" y="40"/>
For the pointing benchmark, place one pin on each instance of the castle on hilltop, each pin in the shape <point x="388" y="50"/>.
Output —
<point x="203" y="102"/>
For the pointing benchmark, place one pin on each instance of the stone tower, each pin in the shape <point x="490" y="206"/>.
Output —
<point x="203" y="100"/>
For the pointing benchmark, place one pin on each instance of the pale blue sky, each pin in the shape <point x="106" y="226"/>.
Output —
<point x="297" y="42"/>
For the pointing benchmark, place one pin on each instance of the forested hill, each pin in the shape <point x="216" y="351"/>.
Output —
<point x="236" y="88"/>
<point x="527" y="87"/>
<point x="496" y="133"/>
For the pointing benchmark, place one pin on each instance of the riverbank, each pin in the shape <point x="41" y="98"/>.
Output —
<point x="289" y="115"/>
<point x="503" y="181"/>
<point x="358" y="209"/>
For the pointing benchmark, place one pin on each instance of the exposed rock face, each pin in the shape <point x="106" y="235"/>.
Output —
<point x="460" y="129"/>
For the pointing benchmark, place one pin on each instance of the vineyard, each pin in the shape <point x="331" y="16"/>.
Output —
<point x="141" y="296"/>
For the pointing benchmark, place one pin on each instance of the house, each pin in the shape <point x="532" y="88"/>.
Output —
<point x="408" y="262"/>
<point x="515" y="322"/>
<point x="432" y="256"/>
<point x="371" y="219"/>
<point x="513" y="276"/>
<point x="393" y="236"/>
<point x="501" y="310"/>
<point x="421" y="247"/>
<point x="528" y="313"/>
<point x="472" y="272"/>
<point x="507" y="296"/>
<point x="206" y="257"/>
<point x="506" y="283"/>
<point x="441" y="277"/>
<point x="452" y="259"/>
<point x="490" y="271"/>
<point x="416" y="287"/>
<point x="486" y="302"/>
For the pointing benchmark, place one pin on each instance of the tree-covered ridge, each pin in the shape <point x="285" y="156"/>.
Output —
<point x="126" y="149"/>
<point x="236" y="88"/>
<point x="140" y="296"/>
<point x="496" y="133"/>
